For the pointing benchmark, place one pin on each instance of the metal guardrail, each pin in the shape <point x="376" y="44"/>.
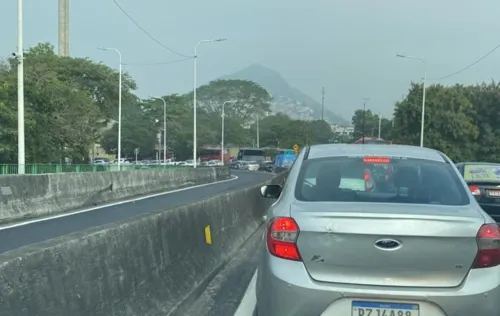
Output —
<point x="6" y="169"/>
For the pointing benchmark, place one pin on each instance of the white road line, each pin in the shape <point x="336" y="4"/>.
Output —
<point x="233" y="177"/>
<point x="249" y="300"/>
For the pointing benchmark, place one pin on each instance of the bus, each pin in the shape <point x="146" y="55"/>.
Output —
<point x="373" y="140"/>
<point x="251" y="154"/>
<point x="285" y="158"/>
<point x="213" y="153"/>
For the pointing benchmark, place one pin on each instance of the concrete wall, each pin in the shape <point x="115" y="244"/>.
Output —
<point x="29" y="196"/>
<point x="145" y="266"/>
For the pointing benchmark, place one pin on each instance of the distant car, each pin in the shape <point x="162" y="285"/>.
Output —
<point x="239" y="164"/>
<point x="373" y="140"/>
<point x="266" y="166"/>
<point x="377" y="230"/>
<point x="234" y="165"/>
<point x="483" y="180"/>
<point x="253" y="166"/>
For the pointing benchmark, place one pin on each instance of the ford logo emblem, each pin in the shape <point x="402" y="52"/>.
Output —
<point x="388" y="244"/>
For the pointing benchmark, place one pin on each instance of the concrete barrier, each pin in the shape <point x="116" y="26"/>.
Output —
<point x="145" y="266"/>
<point x="31" y="196"/>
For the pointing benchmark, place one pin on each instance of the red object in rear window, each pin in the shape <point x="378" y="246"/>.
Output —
<point x="281" y="238"/>
<point x="378" y="160"/>
<point x="488" y="241"/>
<point x="367" y="175"/>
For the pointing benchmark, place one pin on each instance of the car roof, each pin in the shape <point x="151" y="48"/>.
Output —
<point x="337" y="150"/>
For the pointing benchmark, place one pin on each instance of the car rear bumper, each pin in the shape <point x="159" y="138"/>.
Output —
<point x="285" y="288"/>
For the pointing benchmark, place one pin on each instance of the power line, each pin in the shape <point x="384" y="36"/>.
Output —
<point x="468" y="66"/>
<point x="158" y="63"/>
<point x="146" y="32"/>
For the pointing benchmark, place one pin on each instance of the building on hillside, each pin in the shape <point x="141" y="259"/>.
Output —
<point x="342" y="130"/>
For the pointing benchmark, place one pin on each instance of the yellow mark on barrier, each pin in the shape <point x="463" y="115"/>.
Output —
<point x="208" y="235"/>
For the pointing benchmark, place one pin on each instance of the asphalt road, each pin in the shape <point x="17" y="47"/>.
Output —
<point x="36" y="231"/>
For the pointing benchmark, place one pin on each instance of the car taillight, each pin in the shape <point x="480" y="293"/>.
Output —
<point x="474" y="190"/>
<point x="488" y="241"/>
<point x="282" y="236"/>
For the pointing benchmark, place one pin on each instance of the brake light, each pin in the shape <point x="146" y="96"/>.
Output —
<point x="282" y="237"/>
<point x="488" y="241"/>
<point x="474" y="190"/>
<point x="378" y="160"/>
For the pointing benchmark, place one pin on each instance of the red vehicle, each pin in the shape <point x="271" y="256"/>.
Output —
<point x="213" y="153"/>
<point x="373" y="140"/>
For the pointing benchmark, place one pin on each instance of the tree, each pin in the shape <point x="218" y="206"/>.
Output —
<point x="486" y="101"/>
<point x="281" y="131"/>
<point x="67" y="102"/>
<point x="322" y="132"/>
<point x="449" y="120"/>
<point x="371" y="124"/>
<point x="251" y="99"/>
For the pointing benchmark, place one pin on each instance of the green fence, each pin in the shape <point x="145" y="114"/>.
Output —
<point x="58" y="168"/>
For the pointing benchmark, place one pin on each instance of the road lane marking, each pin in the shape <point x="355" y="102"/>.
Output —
<point x="249" y="300"/>
<point x="233" y="177"/>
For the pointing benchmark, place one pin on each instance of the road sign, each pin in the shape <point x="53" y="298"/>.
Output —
<point x="296" y="148"/>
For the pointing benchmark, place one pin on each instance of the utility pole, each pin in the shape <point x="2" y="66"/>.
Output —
<point x="63" y="31"/>
<point x="323" y="104"/>
<point x="379" y="124"/>
<point x="364" y="112"/>
<point x="258" y="132"/>
<point x="21" y="159"/>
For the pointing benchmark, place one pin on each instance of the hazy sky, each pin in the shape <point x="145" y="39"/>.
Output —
<point x="347" y="46"/>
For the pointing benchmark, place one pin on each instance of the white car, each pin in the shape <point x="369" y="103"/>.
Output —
<point x="253" y="166"/>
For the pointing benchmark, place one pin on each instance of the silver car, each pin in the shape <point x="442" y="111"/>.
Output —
<point x="377" y="230"/>
<point x="253" y="166"/>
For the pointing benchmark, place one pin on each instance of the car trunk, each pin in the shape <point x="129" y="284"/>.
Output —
<point x="337" y="243"/>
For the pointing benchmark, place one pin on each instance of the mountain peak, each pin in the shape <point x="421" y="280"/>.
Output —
<point x="287" y="99"/>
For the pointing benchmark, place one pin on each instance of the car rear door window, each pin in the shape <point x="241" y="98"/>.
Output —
<point x="380" y="179"/>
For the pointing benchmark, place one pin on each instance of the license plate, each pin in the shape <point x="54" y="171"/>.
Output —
<point x="360" y="308"/>
<point x="495" y="193"/>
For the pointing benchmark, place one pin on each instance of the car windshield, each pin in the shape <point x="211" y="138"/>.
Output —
<point x="482" y="173"/>
<point x="380" y="179"/>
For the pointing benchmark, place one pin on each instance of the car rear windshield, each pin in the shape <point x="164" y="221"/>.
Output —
<point x="482" y="173"/>
<point x="380" y="179"/>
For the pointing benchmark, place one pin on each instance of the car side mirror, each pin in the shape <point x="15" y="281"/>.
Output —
<point x="272" y="191"/>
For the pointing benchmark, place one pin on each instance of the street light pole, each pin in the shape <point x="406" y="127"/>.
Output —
<point x="258" y="132"/>
<point x="422" y="121"/>
<point x="164" y="128"/>
<point x="119" y="104"/>
<point x="364" y="110"/>
<point x="21" y="160"/>
<point x="379" y="124"/>
<point x="223" y="115"/>
<point x="195" y="84"/>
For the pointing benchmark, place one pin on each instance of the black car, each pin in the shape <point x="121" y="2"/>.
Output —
<point x="266" y="166"/>
<point x="483" y="180"/>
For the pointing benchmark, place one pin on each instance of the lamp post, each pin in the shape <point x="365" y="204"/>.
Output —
<point x="379" y="124"/>
<point x="194" y="92"/>
<point x="164" y="128"/>
<point x="119" y="103"/>
<point x="21" y="160"/>
<point x="422" y="121"/>
<point x="363" y="124"/>
<point x="223" y="114"/>
<point x="258" y="132"/>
